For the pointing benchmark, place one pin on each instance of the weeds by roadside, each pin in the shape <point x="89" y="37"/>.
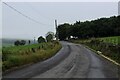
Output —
<point x="108" y="49"/>
<point x="21" y="55"/>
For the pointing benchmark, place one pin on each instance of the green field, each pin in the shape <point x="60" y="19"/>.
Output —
<point x="113" y="40"/>
<point x="21" y="55"/>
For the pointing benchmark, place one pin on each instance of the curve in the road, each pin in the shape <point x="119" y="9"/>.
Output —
<point x="72" y="61"/>
<point x="40" y="67"/>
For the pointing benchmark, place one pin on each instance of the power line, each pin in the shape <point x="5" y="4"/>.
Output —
<point x="24" y="15"/>
<point x="34" y="9"/>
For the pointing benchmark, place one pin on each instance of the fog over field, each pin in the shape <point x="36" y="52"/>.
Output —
<point x="6" y="42"/>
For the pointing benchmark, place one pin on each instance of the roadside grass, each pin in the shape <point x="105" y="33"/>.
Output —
<point x="106" y="45"/>
<point x="0" y="59"/>
<point x="113" y="40"/>
<point x="20" y="55"/>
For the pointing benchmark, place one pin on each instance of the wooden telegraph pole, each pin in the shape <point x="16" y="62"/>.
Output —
<point x="56" y="30"/>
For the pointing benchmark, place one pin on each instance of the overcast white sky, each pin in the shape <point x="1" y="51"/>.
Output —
<point x="16" y="26"/>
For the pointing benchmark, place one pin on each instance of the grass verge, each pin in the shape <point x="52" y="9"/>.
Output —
<point x="114" y="40"/>
<point x="108" y="49"/>
<point x="20" y="55"/>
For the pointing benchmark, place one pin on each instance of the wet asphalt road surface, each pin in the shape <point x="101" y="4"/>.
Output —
<point x="72" y="61"/>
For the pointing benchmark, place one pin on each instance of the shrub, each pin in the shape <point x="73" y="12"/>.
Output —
<point x="17" y="43"/>
<point x="41" y="39"/>
<point x="22" y="42"/>
<point x="49" y="38"/>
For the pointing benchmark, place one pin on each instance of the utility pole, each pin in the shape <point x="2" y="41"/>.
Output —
<point x="56" y="29"/>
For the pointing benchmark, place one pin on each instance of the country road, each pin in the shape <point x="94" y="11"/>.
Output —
<point x="72" y="61"/>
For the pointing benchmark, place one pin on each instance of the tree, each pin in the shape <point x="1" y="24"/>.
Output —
<point x="64" y="31"/>
<point x="22" y="42"/>
<point x="29" y="41"/>
<point x="41" y="39"/>
<point x="102" y="27"/>
<point x="49" y="36"/>
<point x="52" y="33"/>
<point x="17" y="43"/>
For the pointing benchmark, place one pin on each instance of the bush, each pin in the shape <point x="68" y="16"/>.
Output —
<point x="49" y="38"/>
<point x="17" y="43"/>
<point x="41" y="39"/>
<point x="22" y="42"/>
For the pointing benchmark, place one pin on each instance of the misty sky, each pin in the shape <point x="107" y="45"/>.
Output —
<point x="17" y="26"/>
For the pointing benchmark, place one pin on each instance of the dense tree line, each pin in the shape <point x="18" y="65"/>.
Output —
<point x="18" y="42"/>
<point x="102" y="27"/>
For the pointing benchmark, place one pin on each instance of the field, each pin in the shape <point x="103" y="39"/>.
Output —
<point x="113" y="40"/>
<point x="6" y="42"/>
<point x="21" y="55"/>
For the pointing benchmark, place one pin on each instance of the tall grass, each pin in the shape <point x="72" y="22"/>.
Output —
<point x="20" y="55"/>
<point x="113" y="40"/>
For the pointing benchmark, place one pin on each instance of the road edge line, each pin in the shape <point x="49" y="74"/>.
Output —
<point x="100" y="53"/>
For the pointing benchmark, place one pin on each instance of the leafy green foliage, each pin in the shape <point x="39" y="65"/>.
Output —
<point x="17" y="43"/>
<point x="41" y="39"/>
<point x="103" y="27"/>
<point x="50" y="36"/>
<point x="63" y="31"/>
<point x="23" y="42"/>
